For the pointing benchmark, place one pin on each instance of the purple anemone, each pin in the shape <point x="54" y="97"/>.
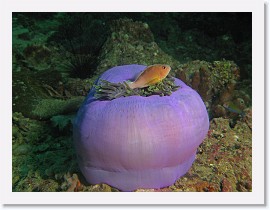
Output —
<point x="139" y="142"/>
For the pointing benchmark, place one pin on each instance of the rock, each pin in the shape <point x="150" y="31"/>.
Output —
<point x="218" y="84"/>
<point x="38" y="56"/>
<point x="226" y="186"/>
<point x="34" y="96"/>
<point x="132" y="42"/>
<point x="101" y="188"/>
<point x="27" y="89"/>
<point x="208" y="78"/>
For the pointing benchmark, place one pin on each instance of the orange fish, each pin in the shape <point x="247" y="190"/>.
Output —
<point x="150" y="76"/>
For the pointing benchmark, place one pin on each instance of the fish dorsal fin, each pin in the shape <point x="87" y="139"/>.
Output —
<point x="141" y="73"/>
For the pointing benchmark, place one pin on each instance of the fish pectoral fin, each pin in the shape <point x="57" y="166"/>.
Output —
<point x="153" y="81"/>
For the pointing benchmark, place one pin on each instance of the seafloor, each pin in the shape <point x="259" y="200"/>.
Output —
<point x="58" y="56"/>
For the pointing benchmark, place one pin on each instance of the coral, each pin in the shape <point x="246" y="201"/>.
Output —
<point x="131" y="42"/>
<point x="226" y="185"/>
<point x="218" y="84"/>
<point x="27" y="89"/>
<point x="223" y="160"/>
<point x="248" y="117"/>
<point x="223" y="72"/>
<point x="226" y="93"/>
<point x="22" y="33"/>
<point x="39" y="155"/>
<point x="48" y="108"/>
<point x="43" y="155"/>
<point x="21" y="149"/>
<point x="154" y="190"/>
<point x="37" y="56"/>
<point x="230" y="104"/>
<point x="196" y="79"/>
<point x="219" y="111"/>
<point x="79" y="87"/>
<point x="101" y="188"/>
<point x="71" y="183"/>
<point x="62" y="122"/>
<point x="207" y="78"/>
<point x="191" y="183"/>
<point x="132" y="31"/>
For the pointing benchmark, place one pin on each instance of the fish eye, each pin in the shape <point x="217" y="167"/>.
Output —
<point x="164" y="67"/>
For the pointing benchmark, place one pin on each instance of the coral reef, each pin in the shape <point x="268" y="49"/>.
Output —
<point x="62" y="122"/>
<point x="248" y="117"/>
<point x="27" y="89"/>
<point x="232" y="101"/>
<point x="40" y="156"/>
<point x="131" y="42"/>
<point x="218" y="84"/>
<point x="50" y="48"/>
<point x="37" y="57"/>
<point x="47" y="108"/>
<point x="207" y="78"/>
<point x="43" y="95"/>
<point x="223" y="161"/>
<point x="71" y="183"/>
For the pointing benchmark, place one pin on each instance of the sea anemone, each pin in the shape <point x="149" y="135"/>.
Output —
<point x="136" y="141"/>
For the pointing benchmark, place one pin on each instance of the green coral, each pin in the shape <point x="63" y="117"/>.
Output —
<point x="48" y="108"/>
<point x="223" y="72"/>
<point x="108" y="91"/>
<point x="62" y="121"/>
<point x="40" y="156"/>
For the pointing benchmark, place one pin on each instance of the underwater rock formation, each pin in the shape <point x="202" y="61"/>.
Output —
<point x="218" y="84"/>
<point x="38" y="57"/>
<point x="207" y="78"/>
<point x="139" y="142"/>
<point x="27" y="89"/>
<point x="131" y="42"/>
<point x="41" y="95"/>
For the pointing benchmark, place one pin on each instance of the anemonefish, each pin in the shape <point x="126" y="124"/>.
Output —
<point x="150" y="76"/>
